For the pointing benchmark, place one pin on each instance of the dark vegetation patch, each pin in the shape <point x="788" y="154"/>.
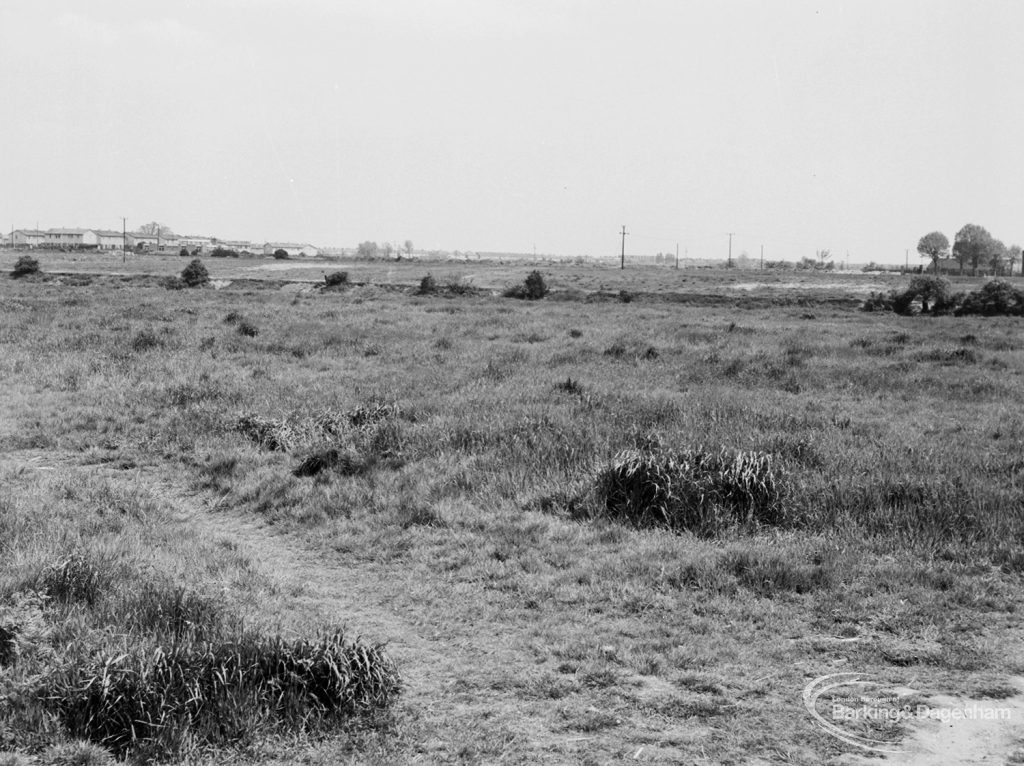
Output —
<point x="533" y="288"/>
<point x="699" y="490"/>
<point x="25" y="266"/>
<point x="336" y="279"/>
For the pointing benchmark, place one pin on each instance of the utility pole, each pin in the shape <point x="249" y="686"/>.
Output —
<point x="730" y="249"/>
<point x="124" y="239"/>
<point x="762" y="257"/>
<point x="677" y="255"/>
<point x="906" y="265"/>
<point x="624" y="232"/>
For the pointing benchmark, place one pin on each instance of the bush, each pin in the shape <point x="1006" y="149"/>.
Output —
<point x="173" y="283"/>
<point x="184" y="253"/>
<point x="145" y="340"/>
<point x="877" y="302"/>
<point x="996" y="298"/>
<point x="428" y="285"/>
<point x="336" y="278"/>
<point x="224" y="252"/>
<point x="698" y="490"/>
<point x="532" y="289"/>
<point x="26" y="265"/>
<point x="927" y="289"/>
<point x="247" y="328"/>
<point x="281" y="254"/>
<point x="195" y="274"/>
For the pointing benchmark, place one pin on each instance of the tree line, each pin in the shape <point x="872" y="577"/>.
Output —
<point x="973" y="247"/>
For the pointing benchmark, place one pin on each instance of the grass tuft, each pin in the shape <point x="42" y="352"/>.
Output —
<point x="697" y="489"/>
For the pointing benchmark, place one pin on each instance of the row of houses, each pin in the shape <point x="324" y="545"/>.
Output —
<point x="104" y="239"/>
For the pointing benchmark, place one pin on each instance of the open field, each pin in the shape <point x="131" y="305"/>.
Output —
<point x="160" y="433"/>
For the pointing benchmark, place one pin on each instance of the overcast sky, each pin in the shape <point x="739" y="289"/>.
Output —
<point x="504" y="125"/>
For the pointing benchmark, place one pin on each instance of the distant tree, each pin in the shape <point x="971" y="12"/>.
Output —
<point x="934" y="246"/>
<point x="1013" y="255"/>
<point x="972" y="245"/>
<point x="823" y="256"/>
<point x="367" y="249"/>
<point x="388" y="249"/>
<point x="155" y="229"/>
<point x="997" y="257"/>
<point x="408" y="247"/>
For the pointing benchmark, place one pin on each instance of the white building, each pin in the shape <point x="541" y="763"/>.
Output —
<point x="71" y="238"/>
<point x="291" y="248"/>
<point x="27" y="238"/>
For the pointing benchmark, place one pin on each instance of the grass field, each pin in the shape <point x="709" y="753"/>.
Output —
<point x="424" y="471"/>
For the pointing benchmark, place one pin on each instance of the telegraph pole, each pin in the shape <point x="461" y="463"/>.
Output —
<point x="624" y="232"/>
<point x="677" y="255"/>
<point x="124" y="239"/>
<point x="730" y="249"/>
<point x="906" y="265"/>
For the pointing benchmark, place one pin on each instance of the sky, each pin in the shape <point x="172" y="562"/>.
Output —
<point x="520" y="125"/>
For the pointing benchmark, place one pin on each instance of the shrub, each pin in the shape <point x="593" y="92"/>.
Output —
<point x="336" y="279"/>
<point x="26" y="265"/>
<point x="927" y="289"/>
<point x="184" y="253"/>
<point x="233" y="317"/>
<point x="877" y="302"/>
<point x="281" y="254"/>
<point x="696" y="489"/>
<point x="996" y="298"/>
<point x="224" y="252"/>
<point x="625" y="296"/>
<point x="195" y="274"/>
<point x="428" y="285"/>
<point x="145" y="340"/>
<point x="173" y="283"/>
<point x="533" y="288"/>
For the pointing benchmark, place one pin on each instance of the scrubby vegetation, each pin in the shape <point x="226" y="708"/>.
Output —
<point x="336" y="279"/>
<point x="587" y="527"/>
<point x="195" y="274"/>
<point x="25" y="266"/>
<point x="929" y="294"/>
<point x="533" y="288"/>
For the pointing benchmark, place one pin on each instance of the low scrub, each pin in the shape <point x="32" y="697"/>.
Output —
<point x="25" y="266"/>
<point x="932" y="295"/>
<point x="336" y="279"/>
<point x="533" y="288"/>
<point x="699" y="490"/>
<point x="195" y="274"/>
<point x="996" y="298"/>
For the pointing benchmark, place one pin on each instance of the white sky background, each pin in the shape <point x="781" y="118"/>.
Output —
<point x="498" y="125"/>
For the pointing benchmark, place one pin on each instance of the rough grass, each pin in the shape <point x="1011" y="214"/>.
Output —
<point x="897" y="526"/>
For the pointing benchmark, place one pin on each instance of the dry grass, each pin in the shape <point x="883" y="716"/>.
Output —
<point x="530" y="631"/>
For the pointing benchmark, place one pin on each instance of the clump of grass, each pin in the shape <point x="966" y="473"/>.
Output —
<point x="233" y="317"/>
<point x="616" y="351"/>
<point x="699" y="490"/>
<point x="145" y="340"/>
<point x="25" y="266"/>
<point x="79" y="578"/>
<point x="247" y="329"/>
<point x="570" y="386"/>
<point x="373" y="412"/>
<point x="625" y="296"/>
<point x="78" y="753"/>
<point x="165" y="701"/>
<point x="269" y="433"/>
<point x="574" y="333"/>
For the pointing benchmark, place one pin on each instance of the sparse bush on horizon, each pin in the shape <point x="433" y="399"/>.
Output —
<point x="533" y="288"/>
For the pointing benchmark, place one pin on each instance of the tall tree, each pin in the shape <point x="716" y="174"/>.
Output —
<point x="972" y="245"/>
<point x="408" y="247"/>
<point x="155" y="229"/>
<point x="934" y="246"/>
<point x="997" y="256"/>
<point x="1013" y="254"/>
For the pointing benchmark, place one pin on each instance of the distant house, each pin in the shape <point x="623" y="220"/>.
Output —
<point x="71" y="238"/>
<point x="138" y="241"/>
<point x="108" y="239"/>
<point x="241" y="247"/>
<point x="27" y="238"/>
<point x="291" y="248"/>
<point x="193" y="242"/>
